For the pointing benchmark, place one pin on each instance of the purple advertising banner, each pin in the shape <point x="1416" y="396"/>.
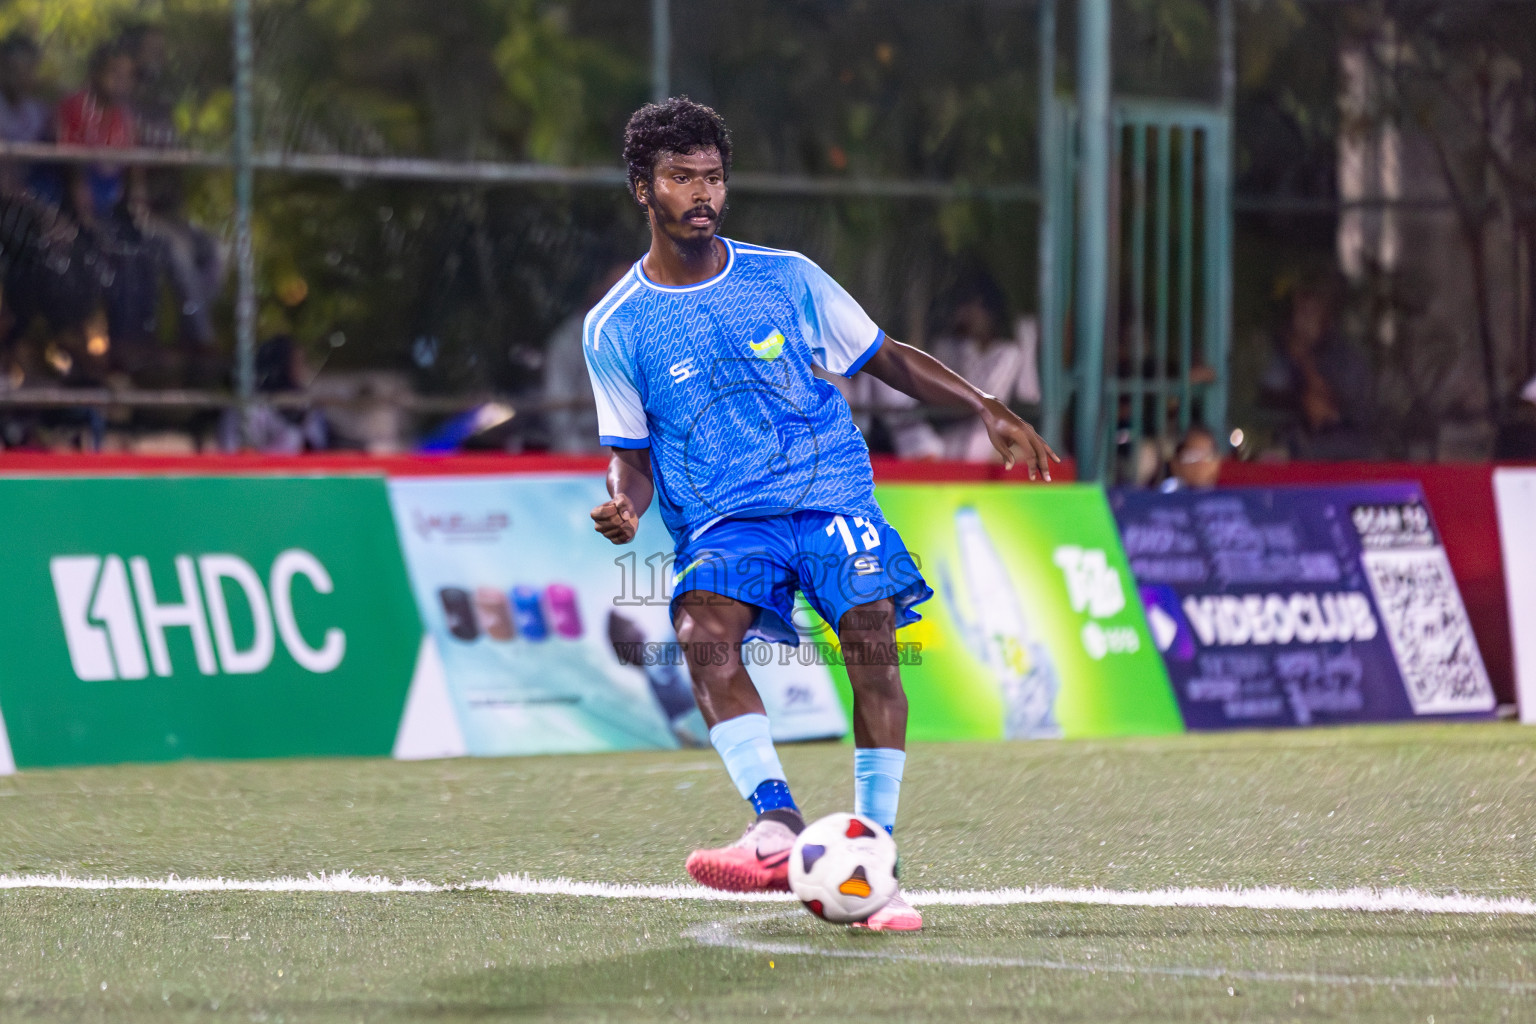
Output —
<point x="1302" y="605"/>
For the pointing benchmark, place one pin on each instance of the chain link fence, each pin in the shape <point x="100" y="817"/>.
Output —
<point x="437" y="192"/>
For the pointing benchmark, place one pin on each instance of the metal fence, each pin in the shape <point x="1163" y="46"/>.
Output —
<point x="439" y="227"/>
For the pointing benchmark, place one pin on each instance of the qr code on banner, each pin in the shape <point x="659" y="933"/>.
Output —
<point x="1428" y="629"/>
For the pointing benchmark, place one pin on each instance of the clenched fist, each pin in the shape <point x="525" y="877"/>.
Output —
<point x="616" y="519"/>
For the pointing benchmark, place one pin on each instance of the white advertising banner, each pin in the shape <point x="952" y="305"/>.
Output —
<point x="545" y="638"/>
<point x="1514" y="492"/>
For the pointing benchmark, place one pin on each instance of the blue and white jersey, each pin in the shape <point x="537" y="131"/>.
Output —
<point x="715" y="378"/>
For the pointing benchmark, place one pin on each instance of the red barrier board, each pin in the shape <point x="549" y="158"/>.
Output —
<point x="887" y="470"/>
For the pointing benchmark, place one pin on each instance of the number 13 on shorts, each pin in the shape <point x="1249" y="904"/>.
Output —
<point x="867" y="533"/>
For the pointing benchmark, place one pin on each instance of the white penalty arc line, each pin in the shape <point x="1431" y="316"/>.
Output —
<point x="726" y="935"/>
<point x="1359" y="900"/>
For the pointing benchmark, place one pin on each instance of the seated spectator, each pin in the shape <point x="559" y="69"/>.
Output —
<point x="107" y="200"/>
<point x="977" y="347"/>
<point x="189" y="256"/>
<point x="280" y="369"/>
<point x="99" y="115"/>
<point x="890" y="420"/>
<point x="1323" y="386"/>
<point x="1196" y="462"/>
<point x="23" y="116"/>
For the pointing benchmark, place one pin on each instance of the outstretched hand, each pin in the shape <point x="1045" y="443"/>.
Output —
<point x="1014" y="439"/>
<point x="616" y="519"/>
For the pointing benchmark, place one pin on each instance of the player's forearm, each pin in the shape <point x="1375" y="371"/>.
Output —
<point x="914" y="372"/>
<point x="629" y="474"/>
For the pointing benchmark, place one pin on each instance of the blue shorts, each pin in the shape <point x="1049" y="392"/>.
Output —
<point x="838" y="562"/>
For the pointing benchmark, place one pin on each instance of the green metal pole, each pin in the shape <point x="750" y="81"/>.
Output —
<point x="1052" y="405"/>
<point x="1219" y="209"/>
<point x="661" y="50"/>
<point x="1093" y="88"/>
<point x="1226" y="27"/>
<point x="245" y="261"/>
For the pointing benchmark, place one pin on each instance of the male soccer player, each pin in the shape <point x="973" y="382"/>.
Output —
<point x="701" y="359"/>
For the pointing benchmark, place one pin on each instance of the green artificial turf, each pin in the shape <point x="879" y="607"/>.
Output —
<point x="1442" y="809"/>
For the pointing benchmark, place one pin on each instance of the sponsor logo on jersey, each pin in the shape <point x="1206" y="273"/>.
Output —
<point x="682" y="370"/>
<point x="770" y="347"/>
<point x="111" y="612"/>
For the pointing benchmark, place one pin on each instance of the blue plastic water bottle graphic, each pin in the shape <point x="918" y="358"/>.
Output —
<point x="528" y="613"/>
<point x="998" y="635"/>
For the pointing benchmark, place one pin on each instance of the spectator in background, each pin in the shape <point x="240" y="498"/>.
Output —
<point x="152" y="100"/>
<point x="889" y="420"/>
<point x="100" y="115"/>
<point x="1517" y="434"/>
<point x="189" y="256"/>
<point x="1196" y="462"/>
<point x="999" y="356"/>
<point x="974" y="347"/>
<point x="280" y="370"/>
<point x="107" y="199"/>
<point x="573" y="428"/>
<point x="1323" y="385"/>
<point x="23" y="117"/>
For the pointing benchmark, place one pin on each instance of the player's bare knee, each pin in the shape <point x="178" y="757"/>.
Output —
<point x="711" y="643"/>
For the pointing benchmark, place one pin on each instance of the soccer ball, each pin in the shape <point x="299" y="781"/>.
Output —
<point x="843" y="868"/>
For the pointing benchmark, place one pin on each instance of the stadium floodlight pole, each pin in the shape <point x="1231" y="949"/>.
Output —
<point x="661" y="50"/>
<point x="1093" y="87"/>
<point x="245" y="262"/>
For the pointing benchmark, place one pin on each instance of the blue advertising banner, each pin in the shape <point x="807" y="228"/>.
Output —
<point x="1302" y="605"/>
<point x="553" y="640"/>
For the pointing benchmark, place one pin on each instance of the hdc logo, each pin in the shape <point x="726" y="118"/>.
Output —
<point x="102" y="612"/>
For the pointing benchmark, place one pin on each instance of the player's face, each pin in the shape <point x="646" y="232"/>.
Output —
<point x="687" y="196"/>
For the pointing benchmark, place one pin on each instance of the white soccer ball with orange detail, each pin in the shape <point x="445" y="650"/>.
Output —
<point x="843" y="868"/>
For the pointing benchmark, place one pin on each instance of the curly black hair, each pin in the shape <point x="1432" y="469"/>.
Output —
<point x="677" y="126"/>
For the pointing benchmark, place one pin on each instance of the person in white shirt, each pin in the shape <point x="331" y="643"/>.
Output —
<point x="1004" y="366"/>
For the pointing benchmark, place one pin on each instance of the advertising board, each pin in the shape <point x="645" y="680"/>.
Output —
<point x="1303" y="605"/>
<point x="552" y="639"/>
<point x="1036" y="630"/>
<point x="1514" y="491"/>
<point x="157" y="618"/>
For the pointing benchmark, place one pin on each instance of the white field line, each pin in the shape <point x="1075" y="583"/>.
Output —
<point x="726" y="935"/>
<point x="341" y="881"/>
<point x="1266" y="898"/>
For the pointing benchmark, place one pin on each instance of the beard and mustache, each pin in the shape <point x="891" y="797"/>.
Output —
<point x="691" y="244"/>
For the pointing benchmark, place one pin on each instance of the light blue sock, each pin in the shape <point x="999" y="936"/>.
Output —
<point x="746" y="747"/>
<point x="877" y="783"/>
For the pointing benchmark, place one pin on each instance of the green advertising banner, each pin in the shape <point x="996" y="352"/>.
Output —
<point x="156" y="618"/>
<point x="1036" y="629"/>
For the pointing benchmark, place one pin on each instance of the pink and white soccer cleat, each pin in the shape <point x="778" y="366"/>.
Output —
<point x="757" y="862"/>
<point x="896" y="916"/>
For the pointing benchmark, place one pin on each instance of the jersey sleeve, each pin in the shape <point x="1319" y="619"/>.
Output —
<point x="846" y="338"/>
<point x="621" y="421"/>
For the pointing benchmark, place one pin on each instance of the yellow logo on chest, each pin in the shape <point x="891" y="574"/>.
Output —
<point x="769" y="347"/>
